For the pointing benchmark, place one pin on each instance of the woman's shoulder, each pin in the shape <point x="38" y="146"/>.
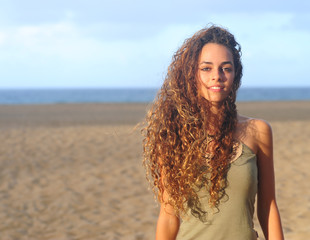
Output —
<point x="253" y="123"/>
<point x="253" y="131"/>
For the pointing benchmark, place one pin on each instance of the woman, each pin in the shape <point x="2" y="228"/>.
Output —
<point x="207" y="162"/>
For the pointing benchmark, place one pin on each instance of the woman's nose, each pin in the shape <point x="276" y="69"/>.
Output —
<point x="217" y="75"/>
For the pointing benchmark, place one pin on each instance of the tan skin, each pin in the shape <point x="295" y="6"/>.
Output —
<point x="215" y="76"/>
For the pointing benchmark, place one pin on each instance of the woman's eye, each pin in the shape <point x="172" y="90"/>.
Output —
<point x="206" y="69"/>
<point x="227" y="69"/>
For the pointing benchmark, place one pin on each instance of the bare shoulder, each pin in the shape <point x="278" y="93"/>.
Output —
<point x="259" y="125"/>
<point x="254" y="132"/>
<point x="262" y="125"/>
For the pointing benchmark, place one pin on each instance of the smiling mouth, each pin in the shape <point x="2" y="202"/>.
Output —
<point x="216" y="88"/>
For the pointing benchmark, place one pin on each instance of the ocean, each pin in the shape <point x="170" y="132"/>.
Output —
<point x="59" y="96"/>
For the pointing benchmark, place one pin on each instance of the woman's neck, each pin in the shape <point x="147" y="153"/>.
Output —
<point x="215" y="107"/>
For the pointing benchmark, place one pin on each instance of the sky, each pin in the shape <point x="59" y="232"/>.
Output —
<point x="129" y="44"/>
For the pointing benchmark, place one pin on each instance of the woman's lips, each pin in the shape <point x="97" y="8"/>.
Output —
<point x="216" y="88"/>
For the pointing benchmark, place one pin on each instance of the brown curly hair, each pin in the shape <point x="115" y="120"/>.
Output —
<point x="185" y="144"/>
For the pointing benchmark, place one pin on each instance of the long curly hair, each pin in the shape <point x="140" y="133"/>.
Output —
<point x="187" y="146"/>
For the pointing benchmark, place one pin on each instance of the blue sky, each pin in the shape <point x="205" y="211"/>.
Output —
<point x="120" y="43"/>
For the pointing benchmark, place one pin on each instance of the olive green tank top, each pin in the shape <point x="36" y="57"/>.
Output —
<point x="234" y="217"/>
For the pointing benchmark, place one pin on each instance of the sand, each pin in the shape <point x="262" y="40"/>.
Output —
<point x="75" y="171"/>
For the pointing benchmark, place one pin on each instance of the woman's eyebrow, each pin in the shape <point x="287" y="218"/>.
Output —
<point x="223" y="63"/>
<point x="206" y="62"/>
<point x="227" y="62"/>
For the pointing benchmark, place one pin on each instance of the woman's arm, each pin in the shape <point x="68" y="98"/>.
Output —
<point x="267" y="210"/>
<point x="167" y="224"/>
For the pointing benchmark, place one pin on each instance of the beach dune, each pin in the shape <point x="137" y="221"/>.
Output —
<point x="74" y="171"/>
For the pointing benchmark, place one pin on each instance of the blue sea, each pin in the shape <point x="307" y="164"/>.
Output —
<point x="58" y="96"/>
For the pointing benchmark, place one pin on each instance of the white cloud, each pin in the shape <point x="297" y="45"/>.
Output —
<point x="48" y="40"/>
<point x="131" y="43"/>
<point x="2" y="38"/>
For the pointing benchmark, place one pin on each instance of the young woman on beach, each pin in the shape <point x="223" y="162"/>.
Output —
<point x="205" y="161"/>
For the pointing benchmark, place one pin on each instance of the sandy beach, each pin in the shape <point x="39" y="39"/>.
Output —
<point x="74" y="171"/>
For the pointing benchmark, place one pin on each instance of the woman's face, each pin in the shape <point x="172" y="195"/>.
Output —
<point x="216" y="72"/>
